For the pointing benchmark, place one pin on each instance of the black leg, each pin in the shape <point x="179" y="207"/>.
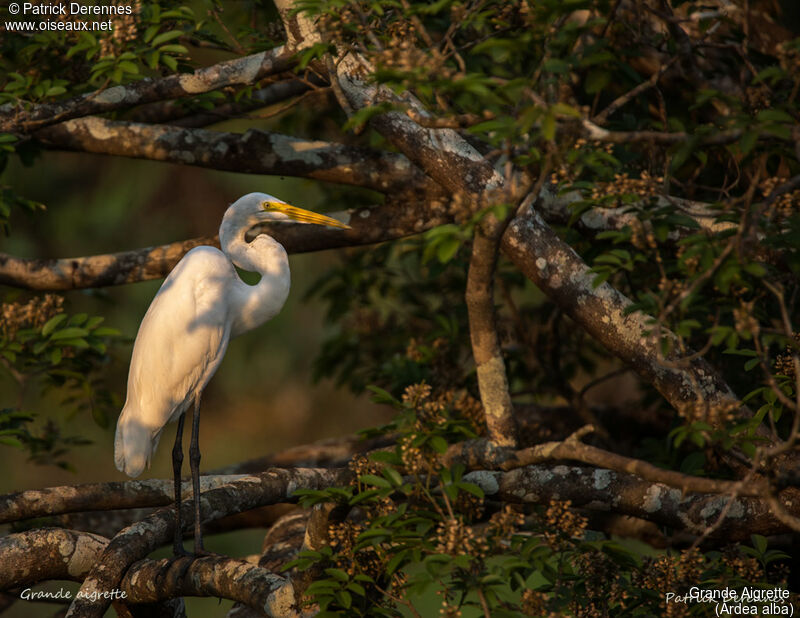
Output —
<point x="177" y="462"/>
<point x="194" y="463"/>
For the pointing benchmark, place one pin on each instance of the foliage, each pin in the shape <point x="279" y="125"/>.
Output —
<point x="673" y="131"/>
<point x="409" y="526"/>
<point x="41" y="346"/>
<point x="524" y="75"/>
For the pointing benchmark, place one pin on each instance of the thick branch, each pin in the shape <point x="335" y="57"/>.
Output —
<point x="97" y="270"/>
<point x="31" y="557"/>
<point x="239" y="71"/>
<point x="98" y="497"/>
<point x="692" y="388"/>
<point x="627" y="494"/>
<point x="555" y="208"/>
<point x="140" y="494"/>
<point x="480" y="454"/>
<point x="47" y="553"/>
<point x="254" y="152"/>
<point x="174" y="113"/>
<point x="491" y="370"/>
<point x="138" y="540"/>
<point x="369" y="225"/>
<point x="152" y="581"/>
<point x="441" y="153"/>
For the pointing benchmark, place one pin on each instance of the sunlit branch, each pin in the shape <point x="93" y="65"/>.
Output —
<point x="553" y="265"/>
<point x="96" y="497"/>
<point x="239" y="71"/>
<point x="368" y="225"/>
<point x="628" y="494"/>
<point x="254" y="152"/>
<point x="177" y="114"/>
<point x="43" y="554"/>
<point x="441" y="153"/>
<point x="138" y="540"/>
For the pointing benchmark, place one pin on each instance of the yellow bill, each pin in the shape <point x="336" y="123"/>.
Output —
<point x="303" y="216"/>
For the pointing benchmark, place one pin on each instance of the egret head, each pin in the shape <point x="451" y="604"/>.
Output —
<point x="255" y="208"/>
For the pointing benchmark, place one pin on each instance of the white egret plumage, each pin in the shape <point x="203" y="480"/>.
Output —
<point x="183" y="336"/>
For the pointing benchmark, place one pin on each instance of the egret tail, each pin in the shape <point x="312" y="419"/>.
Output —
<point x="133" y="445"/>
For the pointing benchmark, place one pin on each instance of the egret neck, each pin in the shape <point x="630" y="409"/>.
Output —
<point x="252" y="305"/>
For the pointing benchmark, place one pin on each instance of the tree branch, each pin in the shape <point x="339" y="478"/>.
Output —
<point x="174" y="113"/>
<point x="555" y="206"/>
<point x="151" y="581"/>
<point x="441" y="153"/>
<point x="239" y="71"/>
<point x="281" y="545"/>
<point x="138" y="540"/>
<point x="480" y="454"/>
<point x="369" y="225"/>
<point x="99" y="497"/>
<point x="492" y="379"/>
<point x="44" y="554"/>
<point x="97" y="270"/>
<point x="627" y="494"/>
<point x="254" y="152"/>
<point x="530" y="243"/>
<point x="691" y="388"/>
<point x="47" y="553"/>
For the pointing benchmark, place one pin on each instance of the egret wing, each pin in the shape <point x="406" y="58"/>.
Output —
<point x="180" y="343"/>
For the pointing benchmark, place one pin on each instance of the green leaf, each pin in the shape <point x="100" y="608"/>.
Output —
<point x="371" y="479"/>
<point x="339" y="574"/>
<point x="438" y="444"/>
<point x="565" y="110"/>
<point x="759" y="542"/>
<point x="93" y="322"/>
<point x="175" y="49"/>
<point x="150" y="33"/>
<point x="393" y="476"/>
<point x="447" y="248"/>
<point x="345" y="598"/>
<point x="169" y="62"/>
<point x="362" y="116"/>
<point x="748" y="141"/>
<point x="470" y="488"/>
<point x="774" y="115"/>
<point x="78" y="319"/>
<point x="166" y="36"/>
<point x="357" y="588"/>
<point x="76" y="342"/>
<point x="69" y="333"/>
<point x="51" y="324"/>
<point x="129" y="67"/>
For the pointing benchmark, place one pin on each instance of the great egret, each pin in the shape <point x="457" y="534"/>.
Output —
<point x="200" y="306"/>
